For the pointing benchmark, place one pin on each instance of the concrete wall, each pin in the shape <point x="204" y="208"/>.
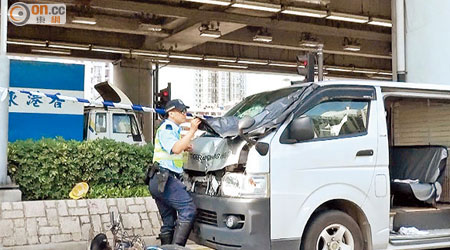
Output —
<point x="44" y="224"/>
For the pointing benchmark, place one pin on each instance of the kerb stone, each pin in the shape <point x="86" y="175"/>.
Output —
<point x="20" y="236"/>
<point x="32" y="227"/>
<point x="19" y="223"/>
<point x="7" y="227"/>
<point x="52" y="216"/>
<point x="70" y="225"/>
<point x="48" y="230"/>
<point x="34" y="209"/>
<point x="61" y="238"/>
<point x="147" y="228"/>
<point x="78" y="211"/>
<point x="137" y="209"/>
<point x="151" y="205"/>
<point x="139" y="201"/>
<point x="122" y="205"/>
<point x="17" y="205"/>
<point x="12" y="214"/>
<point x="62" y="208"/>
<point x="154" y="220"/>
<point x="6" y="206"/>
<point x="44" y="239"/>
<point x="96" y="223"/>
<point x="131" y="221"/>
<point x="97" y="207"/>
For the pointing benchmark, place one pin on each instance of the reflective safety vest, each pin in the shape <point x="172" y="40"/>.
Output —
<point x="161" y="155"/>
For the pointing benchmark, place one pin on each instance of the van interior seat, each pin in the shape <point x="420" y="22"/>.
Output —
<point x="417" y="172"/>
<point x="353" y="124"/>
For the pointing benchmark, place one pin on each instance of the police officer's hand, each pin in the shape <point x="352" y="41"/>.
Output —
<point x="194" y="124"/>
<point x="189" y="148"/>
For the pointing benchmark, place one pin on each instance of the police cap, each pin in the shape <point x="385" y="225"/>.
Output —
<point x="176" y="104"/>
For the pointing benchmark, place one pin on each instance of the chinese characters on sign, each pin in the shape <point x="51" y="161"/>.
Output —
<point x="35" y="100"/>
<point x="12" y="97"/>
<point x="57" y="103"/>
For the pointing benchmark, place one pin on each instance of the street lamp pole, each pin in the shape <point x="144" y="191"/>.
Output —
<point x="320" y="62"/>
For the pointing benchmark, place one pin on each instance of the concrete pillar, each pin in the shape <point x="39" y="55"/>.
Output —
<point x="134" y="78"/>
<point x="4" y="83"/>
<point x="398" y="41"/>
<point x="8" y="191"/>
<point x="426" y="42"/>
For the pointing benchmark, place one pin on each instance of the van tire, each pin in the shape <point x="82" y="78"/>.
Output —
<point x="332" y="227"/>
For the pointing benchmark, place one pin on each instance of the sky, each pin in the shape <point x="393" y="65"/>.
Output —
<point x="183" y="78"/>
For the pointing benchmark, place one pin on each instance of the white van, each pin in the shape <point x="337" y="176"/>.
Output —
<point x="110" y="122"/>
<point x="330" y="165"/>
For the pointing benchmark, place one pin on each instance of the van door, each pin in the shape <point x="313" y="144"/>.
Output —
<point x="337" y="164"/>
<point x="121" y="127"/>
<point x="97" y="125"/>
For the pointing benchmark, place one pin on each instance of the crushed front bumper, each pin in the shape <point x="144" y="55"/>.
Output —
<point x="210" y="229"/>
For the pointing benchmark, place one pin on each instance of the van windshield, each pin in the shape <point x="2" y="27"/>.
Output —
<point x="255" y="104"/>
<point x="268" y="109"/>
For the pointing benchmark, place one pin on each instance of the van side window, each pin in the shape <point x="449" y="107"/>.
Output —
<point x="134" y="126"/>
<point x="121" y="124"/>
<point x="339" y="118"/>
<point x="100" y="122"/>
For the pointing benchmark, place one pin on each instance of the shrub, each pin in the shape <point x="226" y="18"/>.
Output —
<point x="105" y="191"/>
<point x="49" y="168"/>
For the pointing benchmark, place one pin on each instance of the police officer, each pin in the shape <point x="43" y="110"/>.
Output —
<point x="174" y="203"/>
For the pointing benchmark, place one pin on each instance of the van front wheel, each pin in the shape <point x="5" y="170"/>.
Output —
<point x="332" y="230"/>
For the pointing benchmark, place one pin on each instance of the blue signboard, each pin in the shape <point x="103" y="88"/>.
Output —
<point x="36" y="117"/>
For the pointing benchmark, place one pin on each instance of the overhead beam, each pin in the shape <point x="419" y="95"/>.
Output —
<point x="107" y="23"/>
<point x="167" y="10"/>
<point x="296" y="48"/>
<point x="80" y="55"/>
<point x="291" y="40"/>
<point x="177" y="22"/>
<point x="207" y="15"/>
<point x="59" y="34"/>
<point x="190" y="37"/>
<point x="219" y="47"/>
<point x="283" y="54"/>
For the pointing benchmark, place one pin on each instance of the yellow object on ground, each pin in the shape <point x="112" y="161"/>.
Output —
<point x="79" y="191"/>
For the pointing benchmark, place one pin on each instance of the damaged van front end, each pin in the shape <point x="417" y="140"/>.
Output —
<point x="228" y="171"/>
<point x="231" y="197"/>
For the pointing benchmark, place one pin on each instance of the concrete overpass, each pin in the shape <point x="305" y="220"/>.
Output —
<point x="251" y="35"/>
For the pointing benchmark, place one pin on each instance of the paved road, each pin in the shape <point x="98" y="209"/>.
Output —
<point x="197" y="247"/>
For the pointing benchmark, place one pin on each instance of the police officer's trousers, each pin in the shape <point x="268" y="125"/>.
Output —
<point x="174" y="203"/>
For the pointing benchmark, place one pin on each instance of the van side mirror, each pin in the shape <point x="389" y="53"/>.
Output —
<point x="245" y="123"/>
<point x="300" y="129"/>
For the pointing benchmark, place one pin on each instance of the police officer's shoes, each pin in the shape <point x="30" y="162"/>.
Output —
<point x="182" y="232"/>
<point x="166" y="238"/>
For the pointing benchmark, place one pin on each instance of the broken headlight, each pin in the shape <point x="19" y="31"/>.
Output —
<point x="245" y="185"/>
